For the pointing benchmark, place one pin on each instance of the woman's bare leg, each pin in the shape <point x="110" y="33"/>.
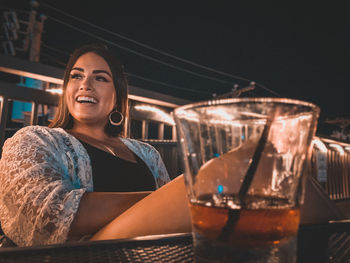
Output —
<point x="164" y="211"/>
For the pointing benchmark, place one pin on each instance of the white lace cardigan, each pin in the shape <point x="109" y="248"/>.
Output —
<point x="43" y="174"/>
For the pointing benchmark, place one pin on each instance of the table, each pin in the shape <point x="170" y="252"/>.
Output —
<point x="316" y="243"/>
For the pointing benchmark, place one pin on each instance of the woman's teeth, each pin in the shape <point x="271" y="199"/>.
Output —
<point x="83" y="99"/>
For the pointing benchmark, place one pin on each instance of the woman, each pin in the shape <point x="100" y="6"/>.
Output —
<point x="77" y="177"/>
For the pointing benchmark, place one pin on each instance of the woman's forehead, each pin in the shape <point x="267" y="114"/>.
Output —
<point x="92" y="61"/>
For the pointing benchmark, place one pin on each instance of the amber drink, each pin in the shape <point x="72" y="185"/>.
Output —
<point x="253" y="231"/>
<point x="252" y="228"/>
<point x="243" y="160"/>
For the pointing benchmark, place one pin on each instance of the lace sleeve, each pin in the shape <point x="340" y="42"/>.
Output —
<point x="152" y="158"/>
<point x="37" y="198"/>
<point x="163" y="176"/>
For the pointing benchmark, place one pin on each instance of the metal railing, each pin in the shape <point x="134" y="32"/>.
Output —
<point x="11" y="92"/>
<point x="330" y="165"/>
<point x="330" y="162"/>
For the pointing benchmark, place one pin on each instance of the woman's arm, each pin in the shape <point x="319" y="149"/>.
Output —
<point x="164" y="211"/>
<point x="96" y="209"/>
<point x="40" y="197"/>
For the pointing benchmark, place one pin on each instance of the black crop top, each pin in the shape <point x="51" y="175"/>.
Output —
<point x="112" y="174"/>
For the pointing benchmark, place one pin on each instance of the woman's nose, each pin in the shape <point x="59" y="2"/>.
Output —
<point x="86" y="84"/>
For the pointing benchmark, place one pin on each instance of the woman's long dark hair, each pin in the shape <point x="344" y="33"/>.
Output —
<point x="62" y="117"/>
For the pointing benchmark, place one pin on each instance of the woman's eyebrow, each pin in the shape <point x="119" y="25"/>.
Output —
<point x="102" y="71"/>
<point x="96" y="71"/>
<point x="80" y="69"/>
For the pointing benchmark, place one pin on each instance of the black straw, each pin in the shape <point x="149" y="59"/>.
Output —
<point x="233" y="214"/>
<point x="254" y="165"/>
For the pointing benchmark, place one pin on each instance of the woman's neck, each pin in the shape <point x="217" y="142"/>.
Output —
<point x="97" y="133"/>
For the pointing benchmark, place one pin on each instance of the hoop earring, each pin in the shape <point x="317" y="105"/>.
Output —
<point x="116" y="118"/>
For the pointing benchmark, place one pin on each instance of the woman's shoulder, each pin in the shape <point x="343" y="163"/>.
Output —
<point x="30" y="142"/>
<point x="36" y="134"/>
<point x="142" y="149"/>
<point x="40" y="130"/>
<point x="137" y="144"/>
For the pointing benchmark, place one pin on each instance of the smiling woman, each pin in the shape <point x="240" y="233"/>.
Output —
<point x="75" y="178"/>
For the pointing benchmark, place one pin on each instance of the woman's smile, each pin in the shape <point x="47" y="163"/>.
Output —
<point x="86" y="99"/>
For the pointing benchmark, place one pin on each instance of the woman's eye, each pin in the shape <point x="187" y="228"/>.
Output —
<point x="101" y="78"/>
<point x="76" y="76"/>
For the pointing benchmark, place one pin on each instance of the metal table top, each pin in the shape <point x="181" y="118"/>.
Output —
<point x="316" y="243"/>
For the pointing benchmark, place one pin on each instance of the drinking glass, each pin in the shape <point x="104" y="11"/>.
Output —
<point x="243" y="164"/>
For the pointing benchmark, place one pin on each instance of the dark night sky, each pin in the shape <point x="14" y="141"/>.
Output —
<point x="298" y="51"/>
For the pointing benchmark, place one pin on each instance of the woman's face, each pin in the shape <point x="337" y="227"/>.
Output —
<point x="90" y="92"/>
